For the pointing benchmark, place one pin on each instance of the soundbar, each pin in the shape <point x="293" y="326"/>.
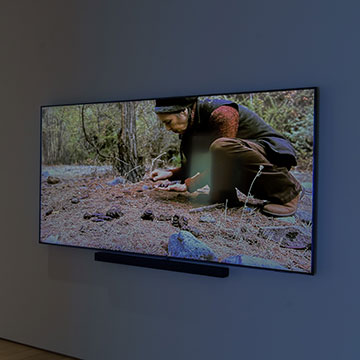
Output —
<point x="170" y="264"/>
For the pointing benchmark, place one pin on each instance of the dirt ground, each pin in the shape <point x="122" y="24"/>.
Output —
<point x="83" y="210"/>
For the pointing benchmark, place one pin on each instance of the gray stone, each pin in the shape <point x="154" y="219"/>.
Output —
<point x="52" y="239"/>
<point x="75" y="200"/>
<point x="247" y="260"/>
<point x="186" y="245"/>
<point x="207" y="219"/>
<point x="195" y="231"/>
<point x="287" y="219"/>
<point x="116" y="181"/>
<point x="307" y="186"/>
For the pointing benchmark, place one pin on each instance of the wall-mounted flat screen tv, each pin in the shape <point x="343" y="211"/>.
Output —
<point x="216" y="179"/>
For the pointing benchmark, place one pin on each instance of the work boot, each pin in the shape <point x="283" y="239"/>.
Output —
<point x="287" y="209"/>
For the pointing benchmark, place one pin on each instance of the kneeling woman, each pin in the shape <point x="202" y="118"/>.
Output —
<point x="224" y="145"/>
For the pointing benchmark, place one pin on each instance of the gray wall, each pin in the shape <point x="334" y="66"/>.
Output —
<point x="82" y="51"/>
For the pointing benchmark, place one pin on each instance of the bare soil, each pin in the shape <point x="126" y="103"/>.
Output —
<point x="73" y="212"/>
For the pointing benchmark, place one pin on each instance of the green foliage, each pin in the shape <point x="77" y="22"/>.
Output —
<point x="291" y="113"/>
<point x="63" y="135"/>
<point x="154" y="139"/>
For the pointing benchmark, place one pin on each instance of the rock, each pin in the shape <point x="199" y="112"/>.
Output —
<point x="304" y="216"/>
<point x="207" y="219"/>
<point x="97" y="220"/>
<point x="291" y="237"/>
<point x="116" y="181"/>
<point x="49" y="212"/>
<point x="287" y="219"/>
<point x="148" y="215"/>
<point x="52" y="180"/>
<point x="186" y="245"/>
<point x="195" y="231"/>
<point x="75" y="200"/>
<point x="146" y="187"/>
<point x="52" y="239"/>
<point x="114" y="213"/>
<point x="307" y="186"/>
<point x="247" y="260"/>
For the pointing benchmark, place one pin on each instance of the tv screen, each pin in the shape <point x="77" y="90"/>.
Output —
<point x="216" y="179"/>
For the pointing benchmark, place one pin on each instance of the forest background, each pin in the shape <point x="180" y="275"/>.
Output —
<point x="129" y="137"/>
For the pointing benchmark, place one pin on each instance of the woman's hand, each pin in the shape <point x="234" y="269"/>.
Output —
<point x="160" y="174"/>
<point x="172" y="186"/>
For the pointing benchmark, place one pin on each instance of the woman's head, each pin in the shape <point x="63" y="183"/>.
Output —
<point x="175" y="113"/>
<point x="176" y="122"/>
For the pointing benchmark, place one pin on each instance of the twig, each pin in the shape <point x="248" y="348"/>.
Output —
<point x="154" y="161"/>
<point x="221" y="226"/>
<point x="126" y="175"/>
<point x="122" y="161"/>
<point x="206" y="208"/>
<point x="247" y="199"/>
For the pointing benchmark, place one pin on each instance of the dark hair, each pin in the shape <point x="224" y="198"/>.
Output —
<point x="174" y="104"/>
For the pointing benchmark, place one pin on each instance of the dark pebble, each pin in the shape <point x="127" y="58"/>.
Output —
<point x="49" y="212"/>
<point x="52" y="180"/>
<point x="75" y="200"/>
<point x="148" y="215"/>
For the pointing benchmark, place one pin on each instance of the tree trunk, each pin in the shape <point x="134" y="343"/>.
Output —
<point x="128" y="163"/>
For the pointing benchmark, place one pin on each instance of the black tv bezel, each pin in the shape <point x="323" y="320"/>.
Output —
<point x="200" y="267"/>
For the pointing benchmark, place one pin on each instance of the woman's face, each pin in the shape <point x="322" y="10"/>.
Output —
<point x="177" y="123"/>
